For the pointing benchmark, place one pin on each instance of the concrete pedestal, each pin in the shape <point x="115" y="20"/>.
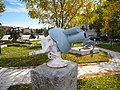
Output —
<point x="47" y="78"/>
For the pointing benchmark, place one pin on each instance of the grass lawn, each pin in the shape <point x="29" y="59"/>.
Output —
<point x="111" y="82"/>
<point x="77" y="44"/>
<point x="17" y="56"/>
<point x="115" y="47"/>
<point x="99" y="57"/>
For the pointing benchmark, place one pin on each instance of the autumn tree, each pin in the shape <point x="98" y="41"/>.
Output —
<point x="97" y="24"/>
<point x="2" y="6"/>
<point x="60" y="13"/>
<point x="111" y="18"/>
<point x="15" y="34"/>
<point x="88" y="13"/>
<point x="2" y="33"/>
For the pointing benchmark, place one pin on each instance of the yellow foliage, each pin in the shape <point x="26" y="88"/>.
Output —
<point x="110" y="15"/>
<point x="62" y="13"/>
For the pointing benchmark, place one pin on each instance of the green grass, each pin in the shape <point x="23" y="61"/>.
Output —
<point x="17" y="56"/>
<point x="34" y="41"/>
<point x="99" y="57"/>
<point x="21" y="87"/>
<point x="111" y="82"/>
<point x="100" y="83"/>
<point x="77" y="44"/>
<point x="115" y="47"/>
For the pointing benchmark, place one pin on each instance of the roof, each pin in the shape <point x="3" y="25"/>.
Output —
<point x="6" y="26"/>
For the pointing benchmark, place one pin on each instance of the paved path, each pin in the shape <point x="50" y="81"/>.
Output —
<point x="12" y="76"/>
<point x="98" y="69"/>
<point x="103" y="67"/>
<point x="115" y="55"/>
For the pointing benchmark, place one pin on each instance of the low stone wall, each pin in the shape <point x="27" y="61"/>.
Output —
<point x="81" y="51"/>
<point x="2" y="46"/>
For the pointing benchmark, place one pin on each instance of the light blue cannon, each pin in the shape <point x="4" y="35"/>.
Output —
<point x="64" y="38"/>
<point x="58" y="41"/>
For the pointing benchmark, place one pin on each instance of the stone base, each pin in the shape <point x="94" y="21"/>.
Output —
<point x="82" y="51"/>
<point x="2" y="46"/>
<point x="47" y="78"/>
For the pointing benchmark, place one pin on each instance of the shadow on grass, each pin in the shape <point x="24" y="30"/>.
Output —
<point x="33" y="60"/>
<point x="24" y="45"/>
<point x="21" y="87"/>
<point x="35" y="47"/>
<point x="80" y="83"/>
<point x="115" y="47"/>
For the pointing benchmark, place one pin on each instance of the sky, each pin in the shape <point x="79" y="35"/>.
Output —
<point x="16" y="15"/>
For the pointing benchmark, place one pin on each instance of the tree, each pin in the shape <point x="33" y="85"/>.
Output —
<point x="97" y="24"/>
<point x="15" y="34"/>
<point x="32" y="36"/>
<point x="2" y="7"/>
<point x="111" y="18"/>
<point x="45" y="31"/>
<point x="2" y="33"/>
<point x="59" y="13"/>
<point x="88" y="13"/>
<point x="2" y="30"/>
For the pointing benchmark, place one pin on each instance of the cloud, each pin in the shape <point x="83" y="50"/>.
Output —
<point x="15" y="2"/>
<point x="16" y="9"/>
<point x="19" y="4"/>
<point x="11" y="1"/>
<point x="33" y="26"/>
<point x="15" y="6"/>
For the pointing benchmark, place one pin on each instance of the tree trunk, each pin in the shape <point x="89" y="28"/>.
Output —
<point x="111" y="42"/>
<point x="14" y="40"/>
<point x="0" y="49"/>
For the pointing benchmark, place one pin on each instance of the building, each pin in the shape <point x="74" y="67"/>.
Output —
<point x="25" y="30"/>
<point x="92" y="34"/>
<point x="6" y="27"/>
